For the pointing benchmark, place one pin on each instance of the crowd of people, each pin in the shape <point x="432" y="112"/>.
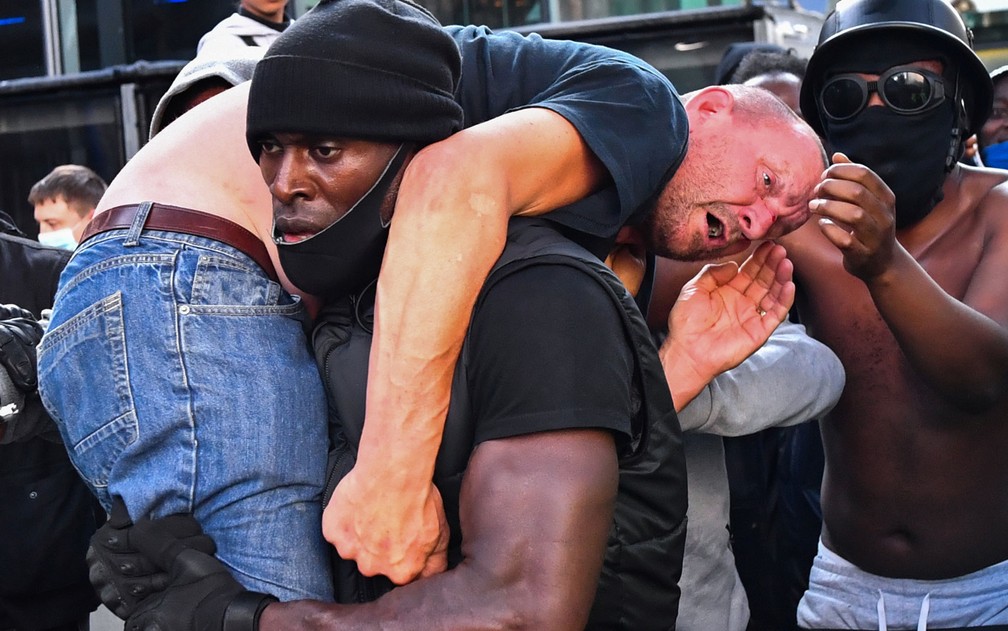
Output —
<point x="447" y="328"/>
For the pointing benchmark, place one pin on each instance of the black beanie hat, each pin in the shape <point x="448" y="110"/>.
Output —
<point x="375" y="69"/>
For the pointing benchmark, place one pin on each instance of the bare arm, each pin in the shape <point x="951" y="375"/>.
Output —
<point x="448" y="229"/>
<point x="959" y="347"/>
<point x="535" y="513"/>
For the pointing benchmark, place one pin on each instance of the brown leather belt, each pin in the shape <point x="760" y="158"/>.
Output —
<point x="185" y="221"/>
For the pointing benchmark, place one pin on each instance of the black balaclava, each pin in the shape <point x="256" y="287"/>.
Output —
<point x="910" y="153"/>
<point x="382" y="70"/>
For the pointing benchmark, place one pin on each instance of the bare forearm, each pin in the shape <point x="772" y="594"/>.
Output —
<point x="405" y="609"/>
<point x="684" y="381"/>
<point x="449" y="228"/>
<point x="957" y="350"/>
<point x="535" y="511"/>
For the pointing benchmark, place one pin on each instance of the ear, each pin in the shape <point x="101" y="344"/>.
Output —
<point x="710" y="101"/>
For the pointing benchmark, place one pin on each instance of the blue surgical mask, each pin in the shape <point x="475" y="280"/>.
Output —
<point x="995" y="155"/>
<point x="63" y="239"/>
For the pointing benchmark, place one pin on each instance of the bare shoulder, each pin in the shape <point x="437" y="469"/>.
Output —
<point x="985" y="192"/>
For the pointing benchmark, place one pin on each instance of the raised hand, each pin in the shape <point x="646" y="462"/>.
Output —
<point x="857" y="213"/>
<point x="722" y="316"/>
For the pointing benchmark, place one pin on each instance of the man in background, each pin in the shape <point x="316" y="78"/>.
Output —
<point x="65" y="201"/>
<point x="255" y="23"/>
<point x="993" y="136"/>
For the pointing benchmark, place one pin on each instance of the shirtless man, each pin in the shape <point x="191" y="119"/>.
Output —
<point x="902" y="275"/>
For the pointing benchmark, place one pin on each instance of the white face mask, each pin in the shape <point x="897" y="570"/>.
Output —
<point x="63" y="239"/>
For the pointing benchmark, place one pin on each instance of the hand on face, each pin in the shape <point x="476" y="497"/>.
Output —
<point x="857" y="213"/>
<point x="726" y="312"/>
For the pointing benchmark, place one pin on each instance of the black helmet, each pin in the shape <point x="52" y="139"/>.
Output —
<point x="932" y="20"/>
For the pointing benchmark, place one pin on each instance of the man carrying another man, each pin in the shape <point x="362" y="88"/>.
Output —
<point x="530" y="524"/>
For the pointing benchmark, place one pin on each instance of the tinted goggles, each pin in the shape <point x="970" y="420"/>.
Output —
<point x="904" y="89"/>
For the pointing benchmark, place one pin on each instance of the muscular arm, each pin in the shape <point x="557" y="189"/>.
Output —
<point x="792" y="378"/>
<point x="589" y="106"/>
<point x="448" y="229"/>
<point x="959" y="347"/>
<point x="535" y="512"/>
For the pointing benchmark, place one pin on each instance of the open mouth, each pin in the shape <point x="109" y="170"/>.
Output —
<point x="295" y="237"/>
<point x="287" y="229"/>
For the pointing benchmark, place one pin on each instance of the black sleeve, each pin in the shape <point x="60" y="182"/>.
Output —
<point x="547" y="351"/>
<point x="627" y="112"/>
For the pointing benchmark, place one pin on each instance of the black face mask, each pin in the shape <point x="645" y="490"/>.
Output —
<point x="344" y="257"/>
<point x="909" y="152"/>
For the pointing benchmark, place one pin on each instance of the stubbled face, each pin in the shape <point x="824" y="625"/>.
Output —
<point x="995" y="130"/>
<point x="315" y="180"/>
<point x="56" y="214"/>
<point x="748" y="182"/>
<point x="271" y="10"/>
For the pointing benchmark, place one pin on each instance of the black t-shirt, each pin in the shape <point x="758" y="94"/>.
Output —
<point x="626" y="111"/>
<point x="547" y="351"/>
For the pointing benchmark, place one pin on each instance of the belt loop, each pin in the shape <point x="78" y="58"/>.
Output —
<point x="133" y="235"/>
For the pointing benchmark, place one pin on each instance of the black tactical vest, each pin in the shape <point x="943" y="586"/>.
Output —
<point x="638" y="588"/>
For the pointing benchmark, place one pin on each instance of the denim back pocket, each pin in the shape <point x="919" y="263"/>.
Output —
<point x="84" y="384"/>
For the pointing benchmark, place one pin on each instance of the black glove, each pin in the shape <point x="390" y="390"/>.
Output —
<point x="13" y="311"/>
<point x="189" y="589"/>
<point x="120" y="574"/>
<point x="19" y="335"/>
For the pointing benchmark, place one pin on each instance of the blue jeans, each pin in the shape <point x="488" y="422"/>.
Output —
<point x="181" y="381"/>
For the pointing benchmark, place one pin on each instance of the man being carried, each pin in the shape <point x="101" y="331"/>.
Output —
<point x="172" y="310"/>
<point x="561" y="430"/>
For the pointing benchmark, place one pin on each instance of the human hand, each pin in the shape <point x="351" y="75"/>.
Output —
<point x="628" y="262"/>
<point x="857" y="213"/>
<point x="166" y="577"/>
<point x="9" y="311"/>
<point x="722" y="316"/>
<point x="120" y="574"/>
<point x="972" y="147"/>
<point x="369" y="522"/>
<point x="19" y="335"/>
